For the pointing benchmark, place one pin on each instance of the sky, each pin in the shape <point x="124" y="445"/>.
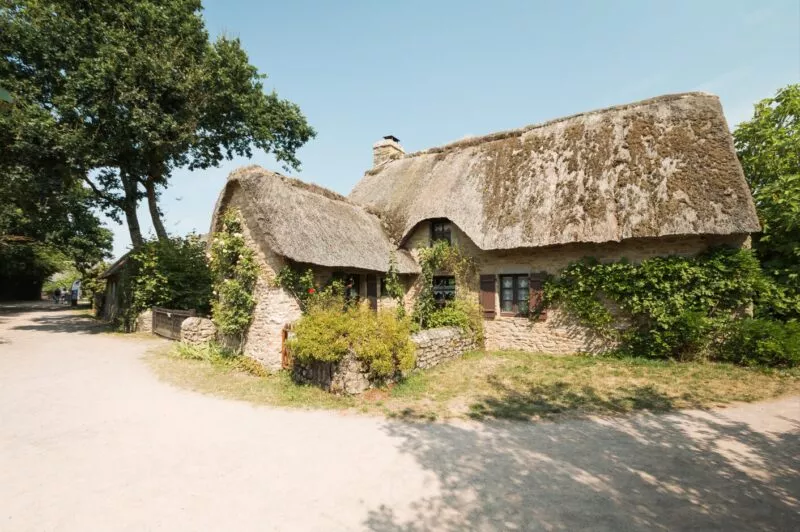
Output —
<point x="432" y="72"/>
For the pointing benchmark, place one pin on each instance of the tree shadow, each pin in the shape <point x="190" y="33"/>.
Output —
<point x="65" y="323"/>
<point x="685" y="470"/>
<point x="546" y="401"/>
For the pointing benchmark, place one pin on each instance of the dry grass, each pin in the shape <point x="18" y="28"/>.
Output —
<point x="509" y="385"/>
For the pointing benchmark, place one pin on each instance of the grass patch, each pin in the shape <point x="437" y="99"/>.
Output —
<point x="509" y="385"/>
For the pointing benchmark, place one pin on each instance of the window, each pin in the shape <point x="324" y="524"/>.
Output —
<point x="514" y="294"/>
<point x="440" y="230"/>
<point x="351" y="283"/>
<point x="444" y="289"/>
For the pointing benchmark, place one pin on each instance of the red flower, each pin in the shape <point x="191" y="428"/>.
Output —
<point x="311" y="290"/>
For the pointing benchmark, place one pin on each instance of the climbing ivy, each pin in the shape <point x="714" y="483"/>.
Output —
<point x="302" y="285"/>
<point x="464" y="313"/>
<point x="671" y="307"/>
<point x="394" y="287"/>
<point x="234" y="272"/>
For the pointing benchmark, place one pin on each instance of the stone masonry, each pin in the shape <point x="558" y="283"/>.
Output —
<point x="196" y="331"/>
<point x="144" y="322"/>
<point x="435" y="346"/>
<point x="559" y="333"/>
<point x="349" y="375"/>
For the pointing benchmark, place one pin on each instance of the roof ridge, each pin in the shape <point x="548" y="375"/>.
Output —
<point x="499" y="135"/>
<point x="248" y="171"/>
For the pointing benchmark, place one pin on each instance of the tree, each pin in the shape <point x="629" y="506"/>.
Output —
<point x="129" y="90"/>
<point x="45" y="224"/>
<point x="769" y="150"/>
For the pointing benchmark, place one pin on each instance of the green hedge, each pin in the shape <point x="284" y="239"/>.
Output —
<point x="380" y="339"/>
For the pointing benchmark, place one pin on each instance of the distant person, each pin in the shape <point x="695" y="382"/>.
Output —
<point x="57" y="295"/>
<point x="75" y="293"/>
<point x="64" y="294"/>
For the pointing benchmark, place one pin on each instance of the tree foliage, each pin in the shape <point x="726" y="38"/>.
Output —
<point x="768" y="146"/>
<point x="169" y="273"/>
<point x="122" y="92"/>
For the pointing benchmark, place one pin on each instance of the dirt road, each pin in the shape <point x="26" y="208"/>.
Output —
<point x="91" y="440"/>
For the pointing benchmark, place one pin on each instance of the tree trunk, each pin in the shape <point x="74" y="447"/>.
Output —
<point x="152" y="203"/>
<point x="130" y="202"/>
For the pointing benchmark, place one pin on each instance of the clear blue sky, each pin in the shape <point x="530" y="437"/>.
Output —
<point x="430" y="72"/>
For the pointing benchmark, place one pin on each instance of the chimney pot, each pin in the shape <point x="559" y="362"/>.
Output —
<point x="386" y="149"/>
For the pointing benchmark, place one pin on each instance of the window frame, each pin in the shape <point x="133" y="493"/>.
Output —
<point x="443" y="302"/>
<point x="449" y="231"/>
<point x="515" y="299"/>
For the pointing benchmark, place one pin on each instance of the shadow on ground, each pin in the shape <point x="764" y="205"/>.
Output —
<point x="684" y="471"/>
<point x="57" y="320"/>
<point x="555" y="399"/>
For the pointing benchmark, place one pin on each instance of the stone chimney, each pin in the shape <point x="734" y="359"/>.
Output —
<point x="386" y="149"/>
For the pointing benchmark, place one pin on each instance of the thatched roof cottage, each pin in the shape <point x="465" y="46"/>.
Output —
<point x="651" y="178"/>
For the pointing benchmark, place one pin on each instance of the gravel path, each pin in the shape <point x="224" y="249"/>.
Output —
<point x="91" y="440"/>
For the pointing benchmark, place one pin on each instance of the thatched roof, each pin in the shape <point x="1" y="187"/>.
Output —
<point x="664" y="166"/>
<point x="310" y="224"/>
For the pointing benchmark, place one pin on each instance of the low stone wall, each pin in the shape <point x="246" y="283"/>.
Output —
<point x="435" y="346"/>
<point x="348" y="376"/>
<point x="144" y="322"/>
<point x="560" y="334"/>
<point x="196" y="331"/>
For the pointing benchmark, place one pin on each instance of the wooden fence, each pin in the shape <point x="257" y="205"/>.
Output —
<point x="167" y="322"/>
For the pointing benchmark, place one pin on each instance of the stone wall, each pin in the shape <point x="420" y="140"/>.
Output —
<point x="195" y="331"/>
<point x="144" y="322"/>
<point x="348" y="376"/>
<point x="558" y="333"/>
<point x="275" y="308"/>
<point x="435" y="346"/>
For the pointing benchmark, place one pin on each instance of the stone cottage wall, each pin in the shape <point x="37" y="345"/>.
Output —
<point x="435" y="346"/>
<point x="275" y="307"/>
<point x="559" y="333"/>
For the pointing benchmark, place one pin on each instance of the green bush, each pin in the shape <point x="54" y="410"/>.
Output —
<point x="674" y="305"/>
<point x="234" y="272"/>
<point x="466" y="315"/>
<point x="379" y="339"/>
<point x="758" y="342"/>
<point x="169" y="273"/>
<point x="302" y="286"/>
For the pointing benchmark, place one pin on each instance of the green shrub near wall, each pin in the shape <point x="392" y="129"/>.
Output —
<point x="381" y="340"/>
<point x="234" y="272"/>
<point x="759" y="342"/>
<point x="674" y="307"/>
<point x="169" y="273"/>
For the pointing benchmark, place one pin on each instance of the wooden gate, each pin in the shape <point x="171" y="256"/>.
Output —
<point x="167" y="322"/>
<point x="286" y="356"/>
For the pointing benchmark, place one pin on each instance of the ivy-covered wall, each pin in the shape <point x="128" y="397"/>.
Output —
<point x="560" y="333"/>
<point x="274" y="307"/>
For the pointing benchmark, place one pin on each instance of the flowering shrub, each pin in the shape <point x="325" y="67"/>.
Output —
<point x="381" y="340"/>
<point x="301" y="286"/>
<point x="234" y="272"/>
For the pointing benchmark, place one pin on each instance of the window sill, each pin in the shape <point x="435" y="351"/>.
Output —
<point x="513" y="315"/>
